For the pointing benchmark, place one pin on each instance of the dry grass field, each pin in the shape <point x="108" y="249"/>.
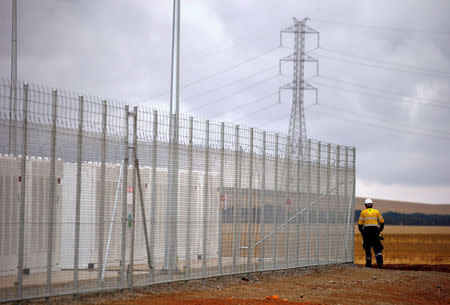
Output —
<point x="411" y="245"/>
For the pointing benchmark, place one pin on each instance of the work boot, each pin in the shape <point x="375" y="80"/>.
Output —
<point x="379" y="258"/>
<point x="369" y="261"/>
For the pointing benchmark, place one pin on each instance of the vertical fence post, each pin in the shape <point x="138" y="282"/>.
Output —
<point x="319" y="147"/>
<point x="205" y="198"/>
<point x="101" y="230"/>
<point x="352" y="208"/>
<point x="169" y="200"/>
<point x="249" y="209"/>
<point x="124" y="200"/>
<point x="133" y="213"/>
<point x="23" y="191"/>
<point x="222" y="155"/>
<point x="346" y="203"/>
<point x="328" y="201"/>
<point x="153" y="208"/>
<point x="189" y="200"/>
<point x="52" y="195"/>
<point x="263" y="193"/>
<point x="78" y="192"/>
<point x="287" y="202"/>
<point x="275" y="222"/>
<point x="174" y="224"/>
<point x="337" y="209"/>
<point x="235" y="206"/>
<point x="308" y="217"/>
<point x="297" y="221"/>
<point x="241" y="205"/>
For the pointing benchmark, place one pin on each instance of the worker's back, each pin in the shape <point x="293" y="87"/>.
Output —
<point x="370" y="218"/>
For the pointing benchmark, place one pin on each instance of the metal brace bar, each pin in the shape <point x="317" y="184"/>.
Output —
<point x="296" y="215"/>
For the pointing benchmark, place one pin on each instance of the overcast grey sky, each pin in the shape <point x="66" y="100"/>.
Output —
<point x="383" y="84"/>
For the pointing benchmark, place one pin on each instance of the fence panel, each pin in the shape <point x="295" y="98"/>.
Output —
<point x="97" y="195"/>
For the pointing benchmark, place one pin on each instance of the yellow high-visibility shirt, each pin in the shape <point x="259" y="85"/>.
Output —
<point x="370" y="218"/>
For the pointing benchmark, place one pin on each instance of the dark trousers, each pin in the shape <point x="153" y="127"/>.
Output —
<point x="371" y="239"/>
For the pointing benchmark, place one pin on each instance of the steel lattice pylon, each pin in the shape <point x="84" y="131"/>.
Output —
<point x="297" y="126"/>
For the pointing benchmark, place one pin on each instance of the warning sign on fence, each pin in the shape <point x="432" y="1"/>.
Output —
<point x="223" y="202"/>
<point x="129" y="194"/>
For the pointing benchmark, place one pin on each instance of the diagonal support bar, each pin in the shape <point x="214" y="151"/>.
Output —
<point x="144" y="219"/>
<point x="296" y="215"/>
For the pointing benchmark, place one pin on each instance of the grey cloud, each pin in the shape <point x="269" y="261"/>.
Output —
<point x="122" y="49"/>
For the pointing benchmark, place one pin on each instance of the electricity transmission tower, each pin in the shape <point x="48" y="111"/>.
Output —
<point x="297" y="127"/>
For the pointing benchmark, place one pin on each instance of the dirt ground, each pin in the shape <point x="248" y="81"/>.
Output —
<point x="343" y="284"/>
<point x="401" y="281"/>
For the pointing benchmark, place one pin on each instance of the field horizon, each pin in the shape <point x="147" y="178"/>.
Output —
<point x="404" y="207"/>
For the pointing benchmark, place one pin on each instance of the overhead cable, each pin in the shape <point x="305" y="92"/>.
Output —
<point x="206" y="77"/>
<point x="383" y="97"/>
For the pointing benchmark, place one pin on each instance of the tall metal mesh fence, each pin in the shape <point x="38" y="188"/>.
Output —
<point x="96" y="195"/>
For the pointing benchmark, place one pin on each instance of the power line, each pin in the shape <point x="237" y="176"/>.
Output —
<point x="383" y="62"/>
<point x="382" y="96"/>
<point x="437" y="103"/>
<point x="398" y="130"/>
<point x="257" y="111"/>
<point x="231" y="83"/>
<point x="368" y="115"/>
<point x="220" y="72"/>
<point x="249" y="103"/>
<point x="382" y="68"/>
<point x="383" y="28"/>
<point x="234" y="93"/>
<point x="282" y="118"/>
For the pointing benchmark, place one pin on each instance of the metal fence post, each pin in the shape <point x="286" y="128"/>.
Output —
<point x="275" y="205"/>
<point x="124" y="200"/>
<point x="133" y="213"/>
<point x="205" y="198"/>
<point x="52" y="195"/>
<point x="189" y="200"/>
<point x="242" y="204"/>
<point x="338" y="199"/>
<point x="299" y="164"/>
<point x="222" y="155"/>
<point x="169" y="200"/>
<point x="153" y="207"/>
<point x="346" y="202"/>
<point x="174" y="238"/>
<point x="250" y="190"/>
<point x="263" y="192"/>
<point x="328" y="201"/>
<point x="308" y="217"/>
<point x="101" y="230"/>
<point x="288" y="202"/>
<point x="352" y="208"/>
<point x="23" y="192"/>
<point x="236" y="185"/>
<point x="78" y="194"/>
<point x="319" y="147"/>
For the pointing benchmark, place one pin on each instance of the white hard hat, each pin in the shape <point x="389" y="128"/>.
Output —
<point x="368" y="201"/>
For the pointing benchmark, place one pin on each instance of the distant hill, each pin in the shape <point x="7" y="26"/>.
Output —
<point x="404" y="207"/>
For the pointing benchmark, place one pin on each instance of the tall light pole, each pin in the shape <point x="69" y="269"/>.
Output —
<point x="13" y="87"/>
<point x="170" y="248"/>
<point x="175" y="75"/>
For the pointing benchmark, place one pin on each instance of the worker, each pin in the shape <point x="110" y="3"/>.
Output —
<point x="370" y="224"/>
